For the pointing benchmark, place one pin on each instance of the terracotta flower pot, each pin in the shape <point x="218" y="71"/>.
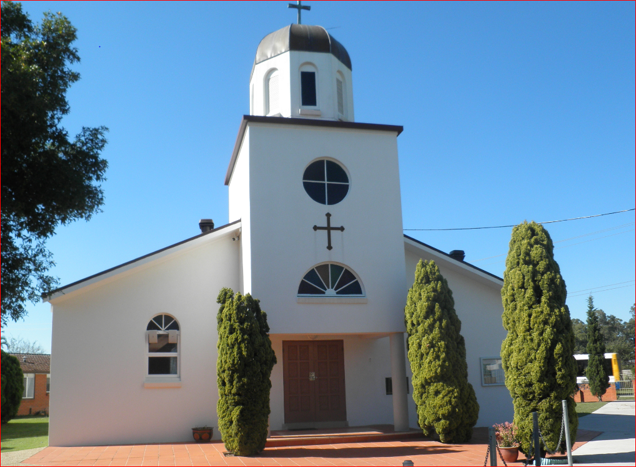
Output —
<point x="509" y="454"/>
<point x="202" y="435"/>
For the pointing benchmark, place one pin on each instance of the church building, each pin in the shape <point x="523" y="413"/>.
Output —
<point x="315" y="233"/>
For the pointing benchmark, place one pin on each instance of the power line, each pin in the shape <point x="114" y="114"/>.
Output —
<point x="600" y="287"/>
<point x="592" y="239"/>
<point x="572" y="238"/>
<point x="599" y="291"/>
<point x="513" y="225"/>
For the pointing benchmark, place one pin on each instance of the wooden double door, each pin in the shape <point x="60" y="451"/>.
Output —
<point x="313" y="380"/>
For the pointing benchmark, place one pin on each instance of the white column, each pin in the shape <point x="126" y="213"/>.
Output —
<point x="398" y="377"/>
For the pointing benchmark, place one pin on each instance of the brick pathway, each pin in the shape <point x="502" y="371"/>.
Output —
<point x="421" y="452"/>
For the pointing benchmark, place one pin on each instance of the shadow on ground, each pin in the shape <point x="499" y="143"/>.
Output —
<point x="362" y="452"/>
<point x="626" y="458"/>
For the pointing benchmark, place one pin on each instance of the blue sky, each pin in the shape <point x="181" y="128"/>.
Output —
<point x="511" y="112"/>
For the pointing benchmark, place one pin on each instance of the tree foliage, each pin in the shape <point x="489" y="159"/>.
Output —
<point x="595" y="373"/>
<point x="12" y="386"/>
<point x="20" y="345"/>
<point x="537" y="354"/>
<point x="244" y="366"/>
<point x="618" y="336"/>
<point x="580" y="336"/>
<point x="47" y="179"/>
<point x="446" y="402"/>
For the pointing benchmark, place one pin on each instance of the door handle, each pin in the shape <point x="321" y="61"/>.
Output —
<point x="312" y="376"/>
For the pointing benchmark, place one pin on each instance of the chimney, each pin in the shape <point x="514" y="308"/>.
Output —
<point x="457" y="254"/>
<point x="206" y="225"/>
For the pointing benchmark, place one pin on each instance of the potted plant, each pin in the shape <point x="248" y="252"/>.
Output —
<point x="202" y="434"/>
<point x="507" y="441"/>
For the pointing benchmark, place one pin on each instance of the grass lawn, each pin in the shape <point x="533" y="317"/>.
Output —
<point x="586" y="408"/>
<point x="25" y="433"/>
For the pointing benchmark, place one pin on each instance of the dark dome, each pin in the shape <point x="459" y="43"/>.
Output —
<point x="303" y="38"/>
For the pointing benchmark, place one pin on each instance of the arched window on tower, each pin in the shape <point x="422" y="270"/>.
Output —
<point x="272" y="93"/>
<point x="340" y="96"/>
<point x="308" y="85"/>
<point x="163" y="346"/>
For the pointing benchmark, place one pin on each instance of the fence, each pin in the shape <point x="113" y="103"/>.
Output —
<point x="624" y="389"/>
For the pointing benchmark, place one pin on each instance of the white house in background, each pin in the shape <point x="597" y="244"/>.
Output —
<point x="316" y="234"/>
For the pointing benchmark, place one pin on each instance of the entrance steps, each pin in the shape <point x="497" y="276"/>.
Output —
<point x="356" y="434"/>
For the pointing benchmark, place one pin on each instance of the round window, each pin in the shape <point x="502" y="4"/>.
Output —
<point x="326" y="182"/>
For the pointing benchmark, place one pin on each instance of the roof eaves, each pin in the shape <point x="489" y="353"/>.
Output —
<point x="300" y="122"/>
<point x="50" y="295"/>
<point x="453" y="259"/>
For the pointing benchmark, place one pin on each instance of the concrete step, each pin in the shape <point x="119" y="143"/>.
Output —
<point x="340" y="436"/>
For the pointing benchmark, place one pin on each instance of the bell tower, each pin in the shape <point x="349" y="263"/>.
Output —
<point x="301" y="71"/>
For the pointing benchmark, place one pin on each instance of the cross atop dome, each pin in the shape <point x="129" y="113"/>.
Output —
<point x="298" y="7"/>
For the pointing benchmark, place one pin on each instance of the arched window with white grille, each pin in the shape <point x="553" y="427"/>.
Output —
<point x="163" y="346"/>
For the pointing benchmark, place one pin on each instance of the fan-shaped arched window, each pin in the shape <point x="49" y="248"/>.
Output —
<point x="330" y="280"/>
<point x="163" y="346"/>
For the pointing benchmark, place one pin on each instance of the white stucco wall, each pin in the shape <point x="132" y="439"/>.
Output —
<point x="239" y="208"/>
<point x="99" y="359"/>
<point x="284" y="246"/>
<point x="478" y="306"/>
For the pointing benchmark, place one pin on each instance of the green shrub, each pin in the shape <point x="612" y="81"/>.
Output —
<point x="244" y="366"/>
<point x="446" y="402"/>
<point x="537" y="354"/>
<point x="595" y="372"/>
<point x="12" y="386"/>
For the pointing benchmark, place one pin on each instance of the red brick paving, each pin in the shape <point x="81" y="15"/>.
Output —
<point x="375" y="452"/>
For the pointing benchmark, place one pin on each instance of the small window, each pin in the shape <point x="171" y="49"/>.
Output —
<point x="163" y="346"/>
<point x="388" y="383"/>
<point x="272" y="89"/>
<point x="340" y="92"/>
<point x="308" y="88"/>
<point x="326" y="182"/>
<point x="330" y="280"/>
<point x="29" y="386"/>
<point x="492" y="373"/>
<point x="48" y="383"/>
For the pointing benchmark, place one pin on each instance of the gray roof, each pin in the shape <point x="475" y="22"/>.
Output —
<point x="301" y="37"/>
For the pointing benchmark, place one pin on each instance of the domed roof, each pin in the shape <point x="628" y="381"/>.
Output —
<point x="301" y="37"/>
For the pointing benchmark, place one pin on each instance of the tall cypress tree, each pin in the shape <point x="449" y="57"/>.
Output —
<point x="446" y="402"/>
<point x="12" y="386"/>
<point x="244" y="366"/>
<point x="595" y="373"/>
<point x="537" y="354"/>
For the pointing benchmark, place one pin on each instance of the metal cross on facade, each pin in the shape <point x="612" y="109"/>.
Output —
<point x="328" y="229"/>
<point x="298" y="7"/>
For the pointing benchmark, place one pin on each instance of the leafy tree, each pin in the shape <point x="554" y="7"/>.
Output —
<point x="244" y="366"/>
<point x="12" y="386"/>
<point x="537" y="354"/>
<point x="580" y="336"/>
<point x="595" y="373"/>
<point x="46" y="178"/>
<point x="20" y="345"/>
<point x="446" y="402"/>
<point x="615" y="335"/>
<point x="631" y="334"/>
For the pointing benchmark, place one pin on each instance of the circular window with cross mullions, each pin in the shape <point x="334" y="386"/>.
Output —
<point x="326" y="182"/>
